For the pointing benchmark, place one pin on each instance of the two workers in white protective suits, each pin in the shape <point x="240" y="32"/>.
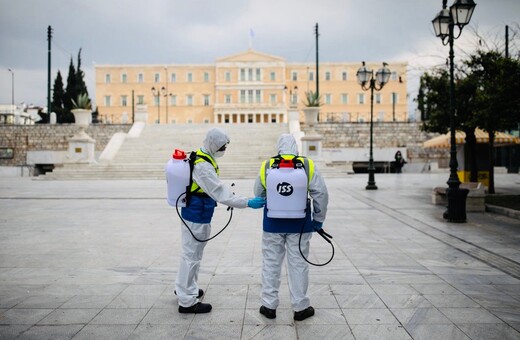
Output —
<point x="280" y="235"/>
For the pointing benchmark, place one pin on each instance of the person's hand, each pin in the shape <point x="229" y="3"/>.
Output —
<point x="317" y="225"/>
<point x="256" y="203"/>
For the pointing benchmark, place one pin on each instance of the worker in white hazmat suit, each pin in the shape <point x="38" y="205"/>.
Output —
<point x="281" y="236"/>
<point x="206" y="190"/>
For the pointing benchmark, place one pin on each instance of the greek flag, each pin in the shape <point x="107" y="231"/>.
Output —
<point x="251" y="36"/>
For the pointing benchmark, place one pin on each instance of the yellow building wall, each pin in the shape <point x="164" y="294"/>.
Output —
<point x="110" y="84"/>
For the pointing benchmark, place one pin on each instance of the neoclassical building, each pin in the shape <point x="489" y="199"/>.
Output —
<point x="248" y="87"/>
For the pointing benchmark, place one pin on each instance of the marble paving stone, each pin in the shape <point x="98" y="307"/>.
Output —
<point x="469" y="315"/>
<point x="105" y="332"/>
<point x="509" y="315"/>
<point x="338" y="289"/>
<point x="220" y="317"/>
<point x="102" y="288"/>
<point x="315" y="290"/>
<point x="435" y="288"/>
<point x="454" y="301"/>
<point x="62" y="332"/>
<point x="386" y="265"/>
<point x="409" y="316"/>
<point x="239" y="269"/>
<point x="69" y="316"/>
<point x="490" y="332"/>
<point x="268" y="332"/>
<point x="197" y="332"/>
<point x="387" y="332"/>
<point x="21" y="316"/>
<point x="159" y="332"/>
<point x="324" y="301"/>
<point x="167" y="316"/>
<point x="215" y="290"/>
<point x="137" y="289"/>
<point x="436" y="332"/>
<point x="477" y="289"/>
<point x="363" y="301"/>
<point x="402" y="279"/>
<point x="119" y="317"/>
<point x="513" y="290"/>
<point x="88" y="301"/>
<point x="324" y="332"/>
<point x="480" y="279"/>
<point x="133" y="301"/>
<point x="22" y="290"/>
<point x="496" y="300"/>
<point x="371" y="316"/>
<point x="43" y="301"/>
<point x="7" y="301"/>
<point x="166" y="301"/>
<point x="387" y="289"/>
<point x="12" y="331"/>
<point x="353" y="279"/>
<point x="406" y="301"/>
<point x="235" y="278"/>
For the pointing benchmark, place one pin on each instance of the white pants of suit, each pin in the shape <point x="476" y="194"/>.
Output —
<point x="274" y="248"/>
<point x="186" y="283"/>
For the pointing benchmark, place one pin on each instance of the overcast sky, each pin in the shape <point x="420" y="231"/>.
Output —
<point x="200" y="31"/>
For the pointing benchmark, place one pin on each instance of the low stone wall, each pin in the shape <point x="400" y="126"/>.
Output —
<point x="385" y="135"/>
<point x="23" y="138"/>
<point x="44" y="137"/>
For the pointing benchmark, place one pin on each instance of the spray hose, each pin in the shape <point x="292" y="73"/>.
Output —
<point x="326" y="237"/>
<point x="191" y="232"/>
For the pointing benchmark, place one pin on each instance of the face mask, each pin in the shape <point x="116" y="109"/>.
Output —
<point x="219" y="154"/>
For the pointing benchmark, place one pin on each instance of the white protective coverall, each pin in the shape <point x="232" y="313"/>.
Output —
<point x="276" y="245"/>
<point x="204" y="175"/>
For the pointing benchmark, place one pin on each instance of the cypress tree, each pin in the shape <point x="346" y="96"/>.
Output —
<point x="57" y="98"/>
<point x="80" y="85"/>
<point x="70" y="91"/>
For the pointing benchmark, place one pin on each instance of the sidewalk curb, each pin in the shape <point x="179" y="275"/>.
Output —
<point x="503" y="211"/>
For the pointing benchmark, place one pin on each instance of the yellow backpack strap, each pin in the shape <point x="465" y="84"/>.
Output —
<point x="263" y="171"/>
<point x="203" y="157"/>
<point x="308" y="165"/>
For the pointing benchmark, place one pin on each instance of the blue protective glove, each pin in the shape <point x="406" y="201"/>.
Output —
<point x="317" y="225"/>
<point x="256" y="203"/>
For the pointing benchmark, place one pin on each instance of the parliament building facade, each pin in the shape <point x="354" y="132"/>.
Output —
<point x="249" y="87"/>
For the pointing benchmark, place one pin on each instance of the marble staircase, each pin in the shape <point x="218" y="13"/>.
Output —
<point x="144" y="156"/>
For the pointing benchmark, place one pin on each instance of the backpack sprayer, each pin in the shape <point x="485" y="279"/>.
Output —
<point x="179" y="171"/>
<point x="286" y="188"/>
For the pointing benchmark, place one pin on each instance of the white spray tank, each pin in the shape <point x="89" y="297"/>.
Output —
<point x="286" y="191"/>
<point x="177" y="178"/>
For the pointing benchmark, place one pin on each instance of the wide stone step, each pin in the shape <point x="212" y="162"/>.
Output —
<point x="144" y="157"/>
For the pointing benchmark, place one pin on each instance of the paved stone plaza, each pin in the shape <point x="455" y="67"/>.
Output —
<point x="97" y="260"/>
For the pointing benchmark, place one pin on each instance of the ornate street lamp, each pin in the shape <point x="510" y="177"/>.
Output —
<point x="365" y="77"/>
<point x="158" y="93"/>
<point x="458" y="15"/>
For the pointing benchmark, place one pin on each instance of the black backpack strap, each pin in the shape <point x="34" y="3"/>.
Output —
<point x="191" y="161"/>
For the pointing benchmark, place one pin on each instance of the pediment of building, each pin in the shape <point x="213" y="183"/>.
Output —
<point x="250" y="56"/>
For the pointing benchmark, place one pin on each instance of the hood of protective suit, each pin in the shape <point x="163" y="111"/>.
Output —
<point x="287" y="145"/>
<point x="215" y="139"/>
